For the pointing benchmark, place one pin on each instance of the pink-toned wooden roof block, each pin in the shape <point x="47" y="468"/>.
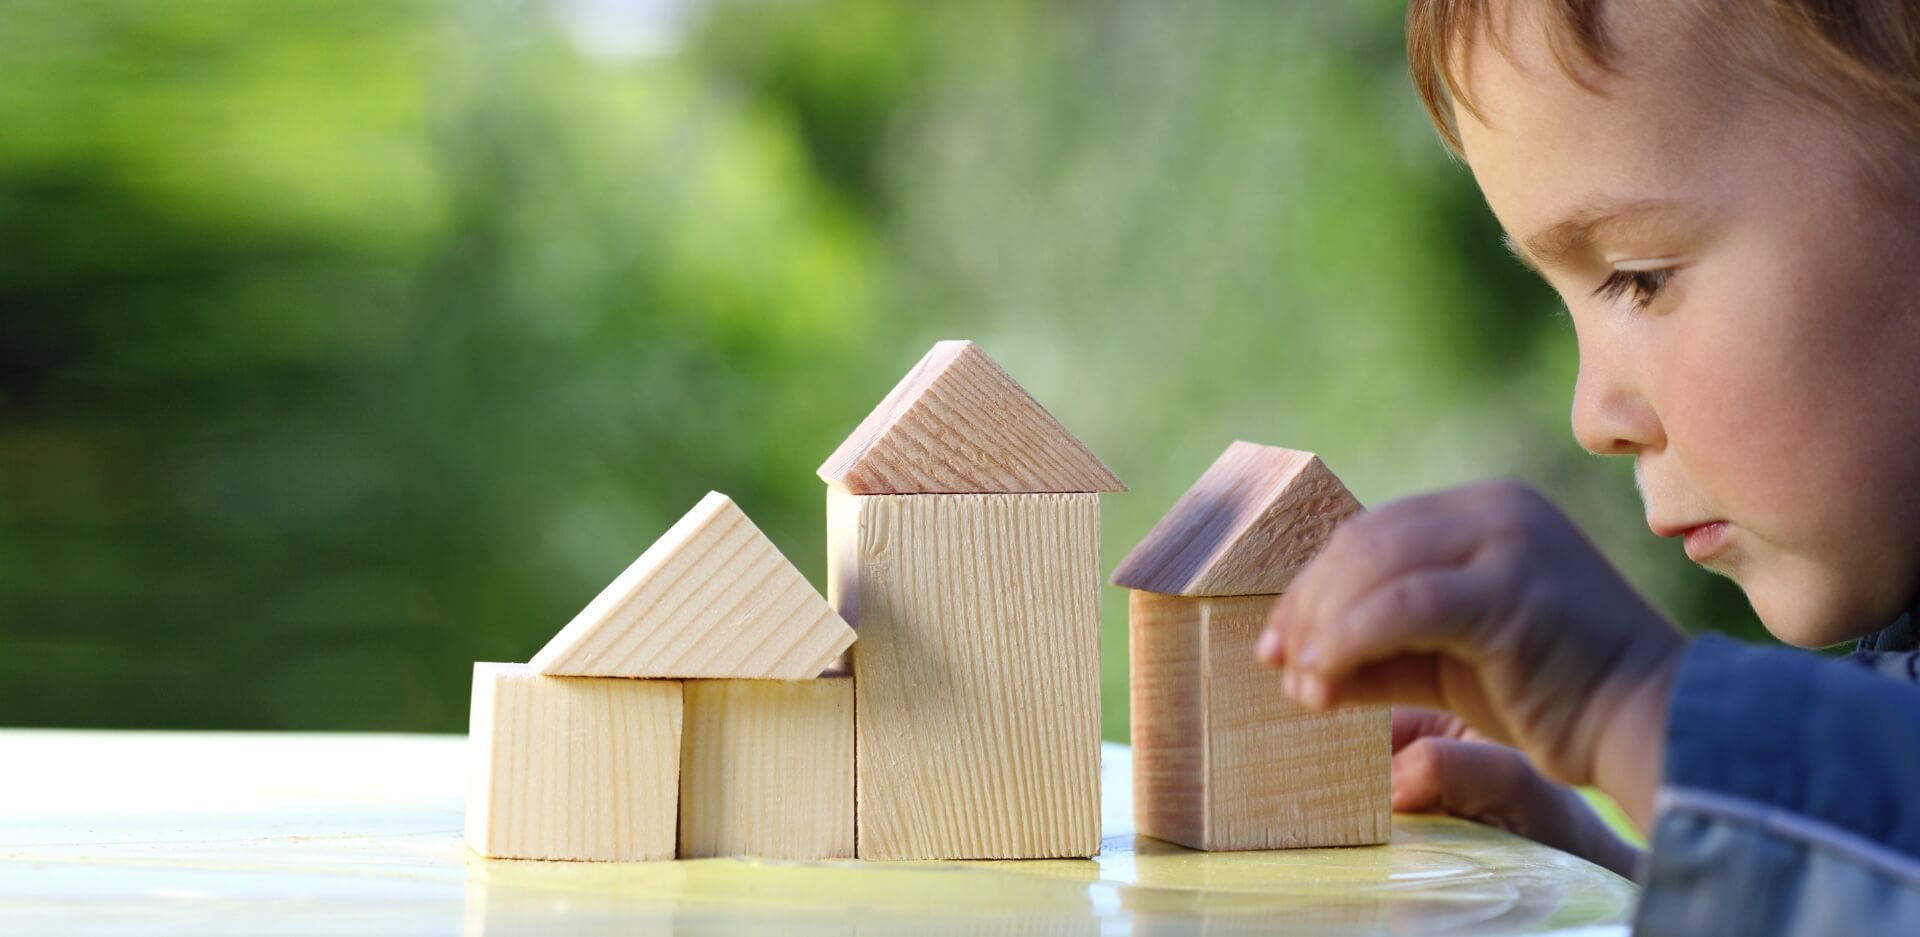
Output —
<point x="1245" y="528"/>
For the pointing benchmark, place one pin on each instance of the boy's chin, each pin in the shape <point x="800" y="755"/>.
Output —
<point x="1807" y="613"/>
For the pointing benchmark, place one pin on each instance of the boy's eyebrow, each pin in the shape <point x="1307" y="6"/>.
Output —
<point x="1591" y="222"/>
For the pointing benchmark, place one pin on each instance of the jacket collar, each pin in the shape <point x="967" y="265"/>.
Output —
<point x="1899" y="637"/>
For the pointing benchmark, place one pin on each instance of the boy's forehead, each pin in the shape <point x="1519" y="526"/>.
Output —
<point x="1518" y="66"/>
<point x="1547" y="135"/>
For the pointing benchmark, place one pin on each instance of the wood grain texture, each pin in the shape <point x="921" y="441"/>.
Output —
<point x="1265" y="774"/>
<point x="1165" y="654"/>
<point x="1245" y="528"/>
<point x="713" y="597"/>
<point x="977" y="672"/>
<point x="766" y="769"/>
<point x="958" y="423"/>
<point x="572" y="767"/>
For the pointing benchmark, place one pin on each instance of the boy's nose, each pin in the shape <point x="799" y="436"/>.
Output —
<point x="1610" y="418"/>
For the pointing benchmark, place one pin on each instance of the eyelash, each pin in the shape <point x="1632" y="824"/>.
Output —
<point x="1645" y="285"/>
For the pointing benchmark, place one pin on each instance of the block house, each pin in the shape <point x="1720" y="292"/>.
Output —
<point x="683" y="712"/>
<point x="1221" y="759"/>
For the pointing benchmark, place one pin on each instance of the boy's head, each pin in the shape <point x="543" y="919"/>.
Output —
<point x="1724" y="192"/>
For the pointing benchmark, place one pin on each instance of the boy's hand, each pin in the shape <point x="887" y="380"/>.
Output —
<point x="1440" y="765"/>
<point x="1485" y="601"/>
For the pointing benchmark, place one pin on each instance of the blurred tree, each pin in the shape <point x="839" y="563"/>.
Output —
<point x="344" y="344"/>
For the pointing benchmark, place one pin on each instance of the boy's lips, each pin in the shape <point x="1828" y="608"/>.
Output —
<point x="1706" y="540"/>
<point x="1703" y="539"/>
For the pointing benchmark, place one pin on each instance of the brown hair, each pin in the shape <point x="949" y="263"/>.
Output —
<point x="1859" y="59"/>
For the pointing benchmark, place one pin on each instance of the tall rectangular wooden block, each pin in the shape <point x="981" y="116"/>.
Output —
<point x="1222" y="760"/>
<point x="976" y="672"/>
<point x="766" y="769"/>
<point x="572" y="767"/>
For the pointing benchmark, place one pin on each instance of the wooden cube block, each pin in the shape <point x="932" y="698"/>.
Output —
<point x="977" y="672"/>
<point x="572" y="767"/>
<point x="1222" y="760"/>
<point x="766" y="769"/>
<point x="713" y="597"/>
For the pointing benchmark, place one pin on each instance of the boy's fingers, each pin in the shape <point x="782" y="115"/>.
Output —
<point x="1425" y="612"/>
<point x="1365" y="553"/>
<point x="1475" y="780"/>
<point x="1414" y="722"/>
<point x="1415" y="779"/>
<point x="1272" y="646"/>
<point x="1429" y="530"/>
<point x="1438" y="695"/>
<point x="1410" y="682"/>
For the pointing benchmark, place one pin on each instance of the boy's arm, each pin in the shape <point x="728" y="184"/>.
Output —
<point x="1790" y="801"/>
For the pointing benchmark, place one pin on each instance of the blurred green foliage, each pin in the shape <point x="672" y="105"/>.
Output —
<point x="346" y="342"/>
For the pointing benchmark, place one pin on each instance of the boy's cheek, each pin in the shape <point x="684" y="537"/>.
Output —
<point x="1804" y="548"/>
<point x="1788" y="408"/>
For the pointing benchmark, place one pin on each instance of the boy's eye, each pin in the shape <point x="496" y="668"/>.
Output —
<point x="1643" y="284"/>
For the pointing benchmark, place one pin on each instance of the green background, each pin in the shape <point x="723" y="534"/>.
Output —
<point x="344" y="343"/>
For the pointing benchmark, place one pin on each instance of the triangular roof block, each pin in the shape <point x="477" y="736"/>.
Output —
<point x="1245" y="528"/>
<point x="713" y="597"/>
<point x="959" y="424"/>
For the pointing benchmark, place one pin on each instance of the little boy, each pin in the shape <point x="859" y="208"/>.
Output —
<point x="1726" y="194"/>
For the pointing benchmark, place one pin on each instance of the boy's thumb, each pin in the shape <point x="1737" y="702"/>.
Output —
<point x="1476" y="780"/>
<point x="1412" y="723"/>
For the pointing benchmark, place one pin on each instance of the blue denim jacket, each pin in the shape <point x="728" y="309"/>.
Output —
<point x="1788" y="804"/>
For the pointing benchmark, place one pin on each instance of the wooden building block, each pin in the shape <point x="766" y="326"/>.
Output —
<point x="1222" y="760"/>
<point x="713" y="597"/>
<point x="572" y="768"/>
<point x="1245" y="528"/>
<point x="766" y="769"/>
<point x="958" y="423"/>
<point x="977" y="672"/>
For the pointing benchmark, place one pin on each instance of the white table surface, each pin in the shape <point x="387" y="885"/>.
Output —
<point x="234" y="833"/>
